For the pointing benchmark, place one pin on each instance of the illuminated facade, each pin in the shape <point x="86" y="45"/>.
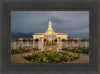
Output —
<point x="50" y="34"/>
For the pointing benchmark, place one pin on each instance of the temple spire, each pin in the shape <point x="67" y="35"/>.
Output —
<point x="50" y="23"/>
<point x="49" y="18"/>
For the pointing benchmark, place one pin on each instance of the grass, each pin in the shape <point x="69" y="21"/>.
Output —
<point x="50" y="57"/>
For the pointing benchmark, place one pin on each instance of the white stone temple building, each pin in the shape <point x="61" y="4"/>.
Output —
<point x="50" y="34"/>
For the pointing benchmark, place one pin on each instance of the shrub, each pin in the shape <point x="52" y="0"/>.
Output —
<point x="50" y="57"/>
<point x="55" y="40"/>
<point x="63" y="40"/>
<point x="25" y="50"/>
<point x="79" y="50"/>
<point x="44" y="40"/>
<point x="15" y="51"/>
<point x="35" y="48"/>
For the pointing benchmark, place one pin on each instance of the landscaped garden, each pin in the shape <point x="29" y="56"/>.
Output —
<point x="50" y="57"/>
<point x="77" y="50"/>
<point x="23" y="50"/>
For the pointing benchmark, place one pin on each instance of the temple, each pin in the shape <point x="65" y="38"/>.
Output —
<point x="50" y="34"/>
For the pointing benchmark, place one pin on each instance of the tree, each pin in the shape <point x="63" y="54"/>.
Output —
<point x="12" y="40"/>
<point x="16" y="40"/>
<point x="24" y="40"/>
<point x="75" y="40"/>
<point x="55" y="40"/>
<point x="44" y="40"/>
<point x="36" y="40"/>
<point x="70" y="42"/>
<point x="86" y="42"/>
<point x="63" y="40"/>
<point x="28" y="39"/>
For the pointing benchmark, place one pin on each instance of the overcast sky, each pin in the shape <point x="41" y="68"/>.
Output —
<point x="74" y="23"/>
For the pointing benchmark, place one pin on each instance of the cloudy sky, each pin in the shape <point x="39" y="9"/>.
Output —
<point x="74" y="23"/>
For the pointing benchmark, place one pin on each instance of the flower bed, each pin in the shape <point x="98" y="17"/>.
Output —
<point x="50" y="57"/>
<point x="80" y="50"/>
<point x="15" y="51"/>
<point x="22" y="50"/>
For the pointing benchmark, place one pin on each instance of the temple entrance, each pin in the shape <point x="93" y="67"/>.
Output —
<point x="50" y="41"/>
<point x="51" y="47"/>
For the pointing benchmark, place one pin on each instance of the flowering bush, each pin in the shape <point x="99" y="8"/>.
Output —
<point x="50" y="57"/>
<point x="15" y="51"/>
<point x="77" y="50"/>
<point x="23" y="50"/>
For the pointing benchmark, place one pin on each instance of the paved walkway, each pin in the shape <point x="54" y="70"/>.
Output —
<point x="84" y="58"/>
<point x="51" y="47"/>
<point x="18" y="58"/>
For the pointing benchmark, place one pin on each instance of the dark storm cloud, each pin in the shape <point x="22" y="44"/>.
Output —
<point x="74" y="23"/>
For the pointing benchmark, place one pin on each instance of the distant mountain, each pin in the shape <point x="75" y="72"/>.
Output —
<point x="78" y="35"/>
<point x="21" y="35"/>
<point x="29" y="35"/>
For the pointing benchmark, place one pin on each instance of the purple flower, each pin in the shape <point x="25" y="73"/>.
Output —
<point x="29" y="55"/>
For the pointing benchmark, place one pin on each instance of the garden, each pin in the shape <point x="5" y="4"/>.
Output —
<point x="77" y="50"/>
<point x="50" y="57"/>
<point x="15" y="51"/>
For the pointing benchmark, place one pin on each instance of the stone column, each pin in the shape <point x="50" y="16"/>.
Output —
<point x="21" y="44"/>
<point x="15" y="45"/>
<point x="60" y="45"/>
<point x="12" y="45"/>
<point x="86" y="45"/>
<point x="33" y="43"/>
<point x="28" y="44"/>
<point x="79" y="42"/>
<point x="40" y="45"/>
<point x="73" y="43"/>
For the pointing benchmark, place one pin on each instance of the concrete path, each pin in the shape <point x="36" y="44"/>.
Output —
<point x="19" y="58"/>
<point x="84" y="58"/>
<point x="51" y="47"/>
